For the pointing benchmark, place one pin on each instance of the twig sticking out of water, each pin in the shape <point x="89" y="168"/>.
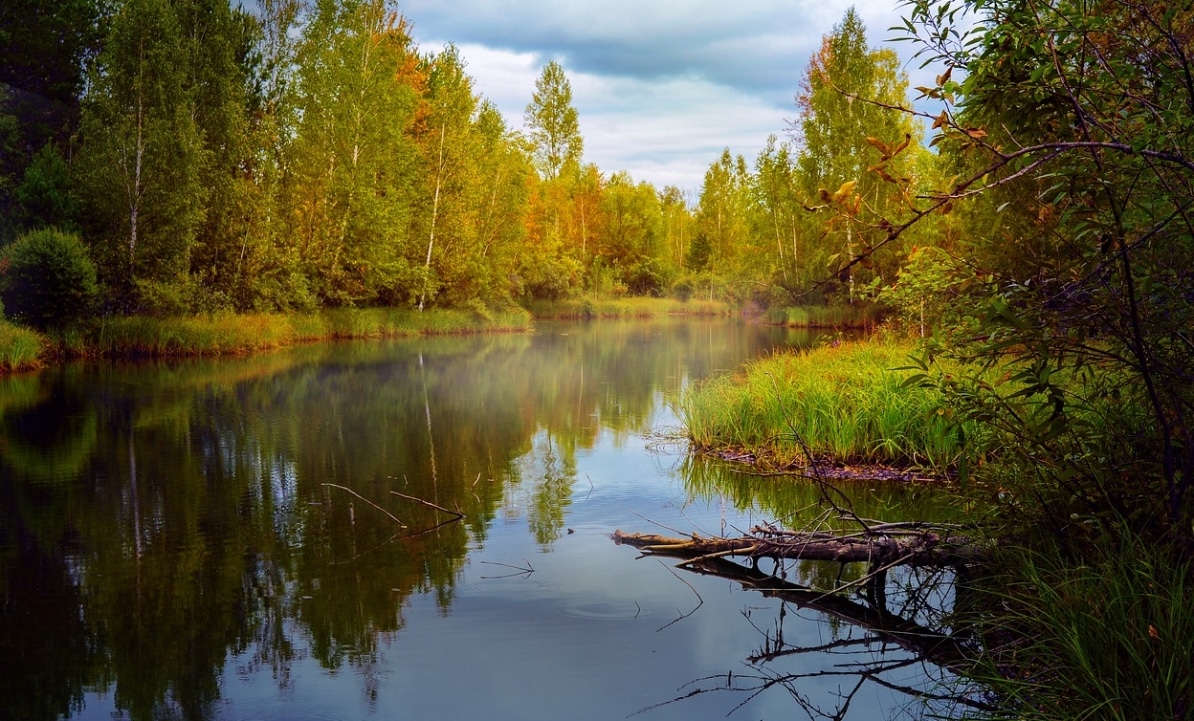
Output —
<point x="429" y="504"/>
<point x="521" y="571"/>
<point x="366" y="500"/>
<point x="700" y="601"/>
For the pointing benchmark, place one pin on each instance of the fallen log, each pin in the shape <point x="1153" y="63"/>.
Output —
<point x="882" y="546"/>
<point x="892" y="544"/>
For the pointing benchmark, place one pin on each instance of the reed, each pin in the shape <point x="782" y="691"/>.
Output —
<point x="824" y="316"/>
<point x="1107" y="638"/>
<point x="204" y="335"/>
<point x="845" y="402"/>
<point x="20" y="348"/>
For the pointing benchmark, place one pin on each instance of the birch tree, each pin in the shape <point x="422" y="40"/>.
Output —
<point x="350" y="189"/>
<point x="141" y="158"/>
<point x="842" y="129"/>
<point x="553" y="122"/>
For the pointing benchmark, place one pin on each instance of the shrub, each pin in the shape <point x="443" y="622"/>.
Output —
<point x="47" y="279"/>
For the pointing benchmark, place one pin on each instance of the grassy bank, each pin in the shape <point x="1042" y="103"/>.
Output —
<point x="1081" y="623"/>
<point x="844" y="402"/>
<point x="861" y="315"/>
<point x="612" y="308"/>
<point x="230" y="334"/>
<point x="239" y="334"/>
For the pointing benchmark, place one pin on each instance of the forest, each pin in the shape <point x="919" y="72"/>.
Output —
<point x="300" y="156"/>
<point x="1033" y="233"/>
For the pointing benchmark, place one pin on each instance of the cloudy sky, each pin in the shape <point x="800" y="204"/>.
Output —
<point x="662" y="86"/>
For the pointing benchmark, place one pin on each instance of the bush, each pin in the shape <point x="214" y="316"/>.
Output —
<point x="47" y="279"/>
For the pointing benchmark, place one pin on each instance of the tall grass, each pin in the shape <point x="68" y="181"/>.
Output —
<point x="20" y="348"/>
<point x="615" y="308"/>
<point x="845" y="402"/>
<point x="224" y="334"/>
<point x="1108" y="637"/>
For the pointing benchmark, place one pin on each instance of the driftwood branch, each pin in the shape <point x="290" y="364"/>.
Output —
<point x="894" y="544"/>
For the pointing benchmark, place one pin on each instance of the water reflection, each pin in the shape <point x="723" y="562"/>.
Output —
<point x="274" y="536"/>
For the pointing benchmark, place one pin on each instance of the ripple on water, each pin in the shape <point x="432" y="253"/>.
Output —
<point x="605" y="610"/>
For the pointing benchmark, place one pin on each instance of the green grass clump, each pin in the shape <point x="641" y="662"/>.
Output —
<point x="845" y="403"/>
<point x="1110" y="636"/>
<point x="20" y="348"/>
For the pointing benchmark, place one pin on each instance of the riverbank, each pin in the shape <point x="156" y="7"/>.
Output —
<point x="1073" y="621"/>
<point x="619" y="308"/>
<point x="22" y="349"/>
<point x="859" y="315"/>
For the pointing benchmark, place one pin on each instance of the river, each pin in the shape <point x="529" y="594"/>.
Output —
<point x="408" y="529"/>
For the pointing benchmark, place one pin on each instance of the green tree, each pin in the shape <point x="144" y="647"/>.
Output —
<point x="47" y="279"/>
<point x="352" y="161"/>
<point x="219" y="44"/>
<point x="473" y="176"/>
<point x="553" y="122"/>
<point x="775" y="187"/>
<point x="632" y="241"/>
<point x="1100" y="159"/>
<point x="142" y="156"/>
<point x="677" y="226"/>
<point x="47" y="194"/>
<point x="447" y="147"/>
<point x="722" y="219"/>
<point x="268" y="261"/>
<point x="847" y="101"/>
<point x="503" y="176"/>
<point x="44" y="49"/>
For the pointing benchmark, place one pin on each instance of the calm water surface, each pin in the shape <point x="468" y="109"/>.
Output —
<point x="226" y="540"/>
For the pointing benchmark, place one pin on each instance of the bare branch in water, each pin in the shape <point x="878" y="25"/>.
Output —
<point x="366" y="500"/>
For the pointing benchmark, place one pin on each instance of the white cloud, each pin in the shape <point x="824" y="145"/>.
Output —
<point x="661" y="87"/>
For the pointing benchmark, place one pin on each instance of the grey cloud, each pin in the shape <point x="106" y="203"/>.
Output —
<point x="754" y="44"/>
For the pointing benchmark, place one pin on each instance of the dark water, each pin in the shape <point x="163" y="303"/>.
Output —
<point x="225" y="540"/>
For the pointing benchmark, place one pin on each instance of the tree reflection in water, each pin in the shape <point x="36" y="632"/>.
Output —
<point x="875" y="636"/>
<point x="882" y="624"/>
<point x="168" y="527"/>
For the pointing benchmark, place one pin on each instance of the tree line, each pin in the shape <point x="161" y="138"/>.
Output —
<point x="309" y="154"/>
